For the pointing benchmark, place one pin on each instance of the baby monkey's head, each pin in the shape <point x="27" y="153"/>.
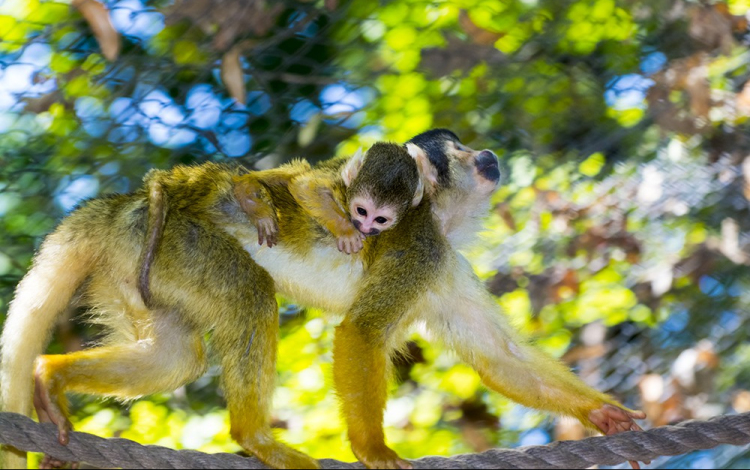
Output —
<point x="383" y="184"/>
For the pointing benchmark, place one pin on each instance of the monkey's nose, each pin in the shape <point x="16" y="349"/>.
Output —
<point x="488" y="165"/>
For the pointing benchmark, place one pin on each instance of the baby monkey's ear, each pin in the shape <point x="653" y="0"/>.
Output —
<point x="427" y="173"/>
<point x="352" y="167"/>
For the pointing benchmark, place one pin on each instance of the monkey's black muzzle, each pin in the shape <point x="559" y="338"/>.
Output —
<point x="488" y="165"/>
<point x="358" y="226"/>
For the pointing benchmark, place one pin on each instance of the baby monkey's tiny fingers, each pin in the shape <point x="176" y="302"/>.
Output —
<point x="267" y="231"/>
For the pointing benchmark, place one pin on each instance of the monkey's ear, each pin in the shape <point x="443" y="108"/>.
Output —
<point x="428" y="177"/>
<point x="352" y="167"/>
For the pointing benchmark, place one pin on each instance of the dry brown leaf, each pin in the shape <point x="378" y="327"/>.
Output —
<point x="503" y="209"/>
<point x="232" y="75"/>
<point x="743" y="101"/>
<point x="101" y="25"/>
<point x="689" y="75"/>
<point x="477" y="34"/>
<point x="699" y="89"/>
<point x="746" y="175"/>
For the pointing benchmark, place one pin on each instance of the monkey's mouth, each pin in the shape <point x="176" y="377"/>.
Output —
<point x="358" y="226"/>
<point x="488" y="165"/>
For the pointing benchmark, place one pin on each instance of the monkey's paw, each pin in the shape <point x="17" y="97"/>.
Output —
<point x="383" y="458"/>
<point x="48" y="411"/>
<point x="267" y="231"/>
<point x="278" y="455"/>
<point x="351" y="242"/>
<point x="52" y="463"/>
<point x="613" y="420"/>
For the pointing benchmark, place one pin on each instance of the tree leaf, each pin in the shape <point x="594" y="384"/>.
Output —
<point x="309" y="131"/>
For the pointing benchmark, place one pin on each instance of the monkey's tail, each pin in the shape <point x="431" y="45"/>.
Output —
<point x="157" y="216"/>
<point x="42" y="295"/>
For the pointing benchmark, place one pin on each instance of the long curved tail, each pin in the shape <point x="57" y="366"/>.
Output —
<point x="157" y="216"/>
<point x="43" y="294"/>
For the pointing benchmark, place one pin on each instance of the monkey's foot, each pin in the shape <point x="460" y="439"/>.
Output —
<point x="351" y="242"/>
<point x="267" y="231"/>
<point x="613" y="420"/>
<point x="278" y="455"/>
<point x="383" y="457"/>
<point x="50" y="463"/>
<point x="49" y="411"/>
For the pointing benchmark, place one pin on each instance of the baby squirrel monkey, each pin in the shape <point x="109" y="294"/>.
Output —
<point x="369" y="195"/>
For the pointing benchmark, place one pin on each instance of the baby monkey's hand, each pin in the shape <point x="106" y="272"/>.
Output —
<point x="350" y="242"/>
<point x="268" y="230"/>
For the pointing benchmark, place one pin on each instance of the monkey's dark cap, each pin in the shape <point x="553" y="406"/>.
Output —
<point x="433" y="143"/>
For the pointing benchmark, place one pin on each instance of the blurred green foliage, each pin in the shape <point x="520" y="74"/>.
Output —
<point x="619" y="238"/>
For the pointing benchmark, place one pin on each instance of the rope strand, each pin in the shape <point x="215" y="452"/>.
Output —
<point x="24" y="434"/>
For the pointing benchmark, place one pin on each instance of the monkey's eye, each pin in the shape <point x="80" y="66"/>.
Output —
<point x="361" y="211"/>
<point x="381" y="220"/>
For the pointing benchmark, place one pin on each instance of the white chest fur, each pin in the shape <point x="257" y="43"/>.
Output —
<point x="324" y="278"/>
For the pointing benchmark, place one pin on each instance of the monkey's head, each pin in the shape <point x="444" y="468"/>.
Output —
<point x="456" y="165"/>
<point x="458" y="179"/>
<point x="383" y="184"/>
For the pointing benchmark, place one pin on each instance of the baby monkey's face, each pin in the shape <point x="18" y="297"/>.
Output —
<point x="370" y="218"/>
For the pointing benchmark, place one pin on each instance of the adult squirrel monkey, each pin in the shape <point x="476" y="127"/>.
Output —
<point x="210" y="274"/>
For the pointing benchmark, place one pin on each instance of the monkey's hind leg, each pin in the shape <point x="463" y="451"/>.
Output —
<point x="247" y="345"/>
<point x="168" y="358"/>
<point x="227" y="293"/>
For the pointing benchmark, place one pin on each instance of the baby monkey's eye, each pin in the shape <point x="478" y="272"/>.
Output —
<point x="381" y="220"/>
<point x="361" y="211"/>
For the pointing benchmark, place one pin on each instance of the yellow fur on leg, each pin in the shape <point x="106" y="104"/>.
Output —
<point x="359" y="372"/>
<point x="12" y="458"/>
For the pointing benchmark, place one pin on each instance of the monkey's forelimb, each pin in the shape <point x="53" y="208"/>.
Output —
<point x="469" y="321"/>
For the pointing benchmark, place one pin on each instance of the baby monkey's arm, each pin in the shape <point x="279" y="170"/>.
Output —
<point x="317" y="194"/>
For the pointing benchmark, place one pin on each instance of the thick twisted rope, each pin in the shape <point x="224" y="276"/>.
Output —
<point x="24" y="434"/>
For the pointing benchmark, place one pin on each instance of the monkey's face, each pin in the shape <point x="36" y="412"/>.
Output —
<point x="369" y="217"/>
<point x="460" y="170"/>
<point x="478" y="170"/>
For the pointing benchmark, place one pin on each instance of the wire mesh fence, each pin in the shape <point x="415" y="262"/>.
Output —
<point x="618" y="240"/>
